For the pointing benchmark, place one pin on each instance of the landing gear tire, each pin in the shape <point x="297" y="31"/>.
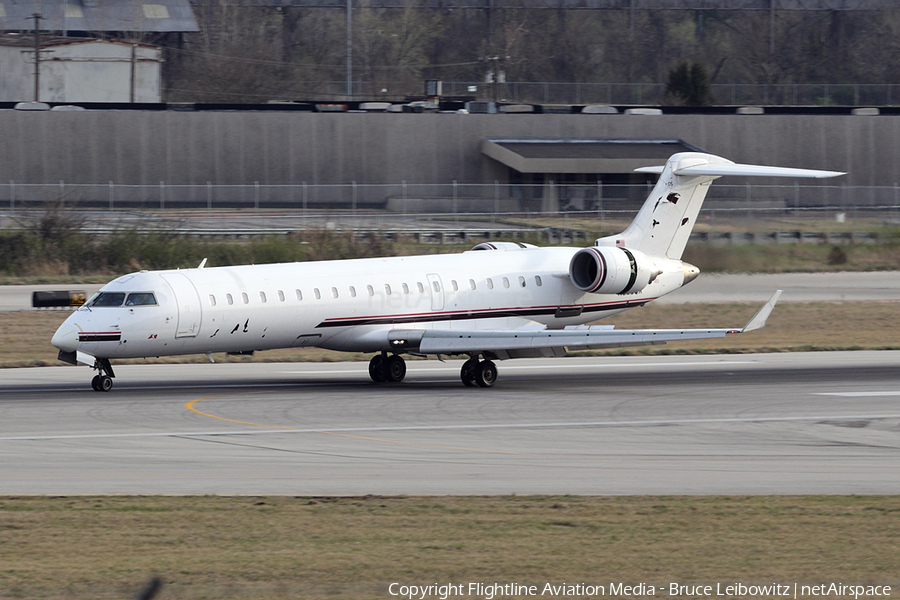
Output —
<point x="376" y="369"/>
<point x="395" y="369"/>
<point x="486" y="374"/>
<point x="104" y="383"/>
<point x="467" y="372"/>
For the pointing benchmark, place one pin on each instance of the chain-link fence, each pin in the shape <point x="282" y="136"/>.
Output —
<point x="446" y="198"/>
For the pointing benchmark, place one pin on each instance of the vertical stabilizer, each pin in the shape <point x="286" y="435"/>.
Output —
<point x="664" y="224"/>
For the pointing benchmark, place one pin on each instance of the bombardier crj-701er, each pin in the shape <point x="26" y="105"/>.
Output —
<point x="498" y="301"/>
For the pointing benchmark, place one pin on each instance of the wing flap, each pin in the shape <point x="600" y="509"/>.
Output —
<point x="453" y="342"/>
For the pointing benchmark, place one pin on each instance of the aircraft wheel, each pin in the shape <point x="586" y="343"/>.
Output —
<point x="105" y="383"/>
<point x="376" y="369"/>
<point x="467" y="372"/>
<point x="396" y="368"/>
<point x="486" y="374"/>
<point x="95" y="383"/>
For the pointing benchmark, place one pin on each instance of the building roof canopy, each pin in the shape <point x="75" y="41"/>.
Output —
<point x="576" y="155"/>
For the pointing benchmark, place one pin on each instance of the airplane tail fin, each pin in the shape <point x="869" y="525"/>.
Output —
<point x="664" y="223"/>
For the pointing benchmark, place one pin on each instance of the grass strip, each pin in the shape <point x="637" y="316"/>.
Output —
<point x="25" y="336"/>
<point x="354" y="547"/>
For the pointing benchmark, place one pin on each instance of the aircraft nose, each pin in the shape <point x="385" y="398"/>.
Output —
<point x="65" y="338"/>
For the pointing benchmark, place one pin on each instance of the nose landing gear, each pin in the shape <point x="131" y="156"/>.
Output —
<point x="103" y="381"/>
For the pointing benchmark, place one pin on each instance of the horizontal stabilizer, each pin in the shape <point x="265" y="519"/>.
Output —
<point x="719" y="170"/>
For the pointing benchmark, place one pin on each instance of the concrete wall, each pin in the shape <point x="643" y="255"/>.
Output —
<point x="276" y="148"/>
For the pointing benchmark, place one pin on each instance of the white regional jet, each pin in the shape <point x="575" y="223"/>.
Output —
<point x="500" y="300"/>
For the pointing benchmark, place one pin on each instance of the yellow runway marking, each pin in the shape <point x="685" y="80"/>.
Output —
<point x="190" y="406"/>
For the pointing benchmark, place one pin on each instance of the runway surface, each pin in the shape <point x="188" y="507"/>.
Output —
<point x="798" y="287"/>
<point x="817" y="423"/>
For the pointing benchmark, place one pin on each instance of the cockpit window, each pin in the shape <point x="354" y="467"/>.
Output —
<point x="141" y="299"/>
<point x="109" y="299"/>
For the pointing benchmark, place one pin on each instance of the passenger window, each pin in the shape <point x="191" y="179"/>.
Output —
<point x="472" y="283"/>
<point x="436" y="286"/>
<point x="387" y="289"/>
<point x="212" y="300"/>
<point x="230" y="299"/>
<point x="521" y="281"/>
<point x="317" y="294"/>
<point x="352" y="292"/>
<point x="109" y="299"/>
<point x="141" y="299"/>
<point x="421" y="287"/>
<point x="262" y="297"/>
<point x="334" y="292"/>
<point x="299" y="295"/>
<point x="281" y="295"/>
<point x="454" y="284"/>
<point x="490" y="283"/>
<point x="245" y="297"/>
<point x="537" y="280"/>
<point x="370" y="290"/>
<point x="505" y="282"/>
<point x="405" y="289"/>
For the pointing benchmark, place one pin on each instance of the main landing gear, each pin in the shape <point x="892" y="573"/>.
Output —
<point x="384" y="368"/>
<point x="482" y="373"/>
<point x="474" y="372"/>
<point x="103" y="381"/>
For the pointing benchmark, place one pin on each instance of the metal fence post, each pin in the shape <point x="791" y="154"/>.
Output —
<point x="305" y="198"/>
<point x="600" y="202"/>
<point x="111" y="195"/>
<point x="896" y="197"/>
<point x="62" y="191"/>
<point x="162" y="195"/>
<point x="12" y="195"/>
<point x="208" y="197"/>
<point x="255" y="196"/>
<point x="796" y="199"/>
<point x="403" y="186"/>
<point x="496" y="198"/>
<point x="455" y="216"/>
<point x="353" y="193"/>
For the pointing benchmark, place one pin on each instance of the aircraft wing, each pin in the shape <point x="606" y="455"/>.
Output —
<point x="535" y="343"/>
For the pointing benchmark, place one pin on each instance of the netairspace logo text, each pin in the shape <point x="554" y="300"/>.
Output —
<point x="491" y="591"/>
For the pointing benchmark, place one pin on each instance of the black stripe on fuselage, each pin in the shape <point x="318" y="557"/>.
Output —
<point x="99" y="337"/>
<point x="487" y="314"/>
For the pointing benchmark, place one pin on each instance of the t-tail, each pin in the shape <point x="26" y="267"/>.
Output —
<point x="664" y="224"/>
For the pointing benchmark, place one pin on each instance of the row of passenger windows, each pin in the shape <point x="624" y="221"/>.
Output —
<point x="370" y="290"/>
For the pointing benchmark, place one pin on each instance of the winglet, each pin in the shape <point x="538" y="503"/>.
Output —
<point x="759" y="319"/>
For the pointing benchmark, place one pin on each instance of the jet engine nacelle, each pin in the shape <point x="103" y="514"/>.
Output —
<point x="610" y="270"/>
